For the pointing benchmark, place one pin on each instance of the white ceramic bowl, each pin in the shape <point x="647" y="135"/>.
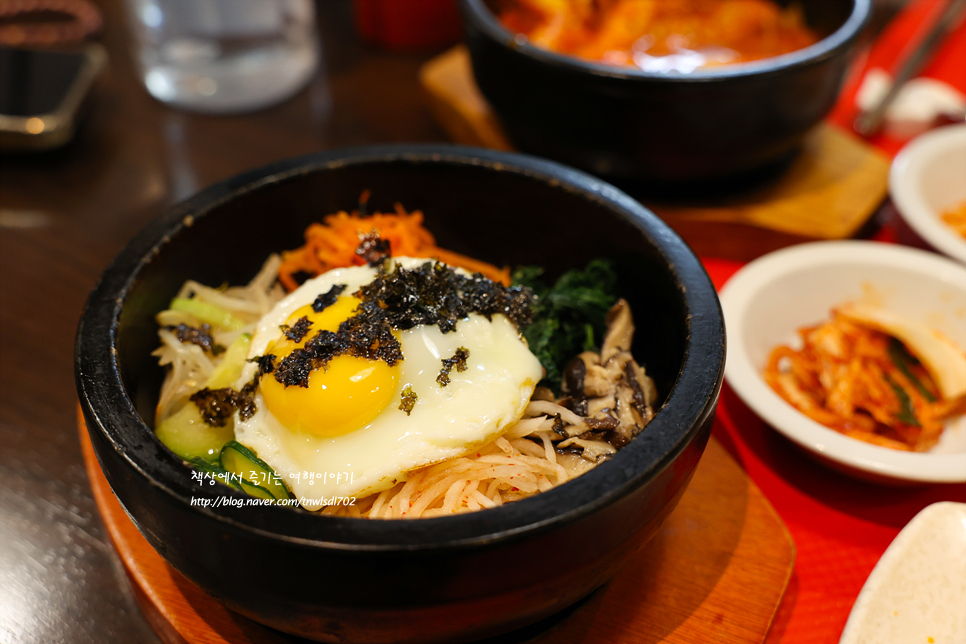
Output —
<point x="917" y="591"/>
<point x="770" y="298"/>
<point x="927" y="178"/>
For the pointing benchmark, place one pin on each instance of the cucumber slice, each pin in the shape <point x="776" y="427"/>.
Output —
<point x="238" y="459"/>
<point x="207" y="313"/>
<point x="185" y="432"/>
<point x="255" y="490"/>
<point x="228" y="371"/>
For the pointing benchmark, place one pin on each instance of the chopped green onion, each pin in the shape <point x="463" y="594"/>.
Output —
<point x="243" y="462"/>
<point x="906" y="414"/>
<point x="903" y="361"/>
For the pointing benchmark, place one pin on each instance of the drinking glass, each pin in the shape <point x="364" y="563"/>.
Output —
<point x="224" y="55"/>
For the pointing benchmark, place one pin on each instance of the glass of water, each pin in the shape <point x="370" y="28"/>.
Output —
<point x="224" y="55"/>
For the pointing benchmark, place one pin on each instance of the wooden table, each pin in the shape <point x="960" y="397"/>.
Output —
<point x="65" y="214"/>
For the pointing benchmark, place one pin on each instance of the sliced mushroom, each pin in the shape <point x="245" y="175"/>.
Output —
<point x="542" y="393"/>
<point x="609" y="396"/>
<point x="600" y="381"/>
<point x="573" y="377"/>
<point x="620" y="330"/>
<point x="647" y="386"/>
<point x="590" y="358"/>
<point x="617" y="361"/>
<point x="564" y="430"/>
<point x="631" y="421"/>
<point x="638" y="399"/>
<point x="592" y="450"/>
<point x="575" y="464"/>
<point x="603" y="422"/>
<point x="546" y="408"/>
<point x="601" y="404"/>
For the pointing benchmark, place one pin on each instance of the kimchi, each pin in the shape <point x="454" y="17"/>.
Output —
<point x="865" y="383"/>
<point x="660" y="35"/>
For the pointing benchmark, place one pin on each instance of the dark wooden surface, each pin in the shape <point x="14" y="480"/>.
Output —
<point x="65" y="214"/>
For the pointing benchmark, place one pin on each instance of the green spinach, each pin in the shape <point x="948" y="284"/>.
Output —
<point x="570" y="316"/>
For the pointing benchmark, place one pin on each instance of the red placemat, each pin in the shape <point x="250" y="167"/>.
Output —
<point x="840" y="525"/>
<point x="903" y="33"/>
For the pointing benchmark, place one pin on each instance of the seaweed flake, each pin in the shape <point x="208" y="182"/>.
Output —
<point x="408" y="401"/>
<point x="294" y="369"/>
<point x="458" y="360"/>
<point x="246" y="399"/>
<point x="200" y="336"/>
<point x="325" y="300"/>
<point x="216" y="405"/>
<point x="373" y="248"/>
<point x="296" y="333"/>
<point x="266" y="363"/>
<point x="434" y="293"/>
<point x="399" y="299"/>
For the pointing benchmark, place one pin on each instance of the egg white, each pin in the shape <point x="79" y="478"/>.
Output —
<point x="472" y="410"/>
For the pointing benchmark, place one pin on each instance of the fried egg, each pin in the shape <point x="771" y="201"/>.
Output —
<point x="348" y="432"/>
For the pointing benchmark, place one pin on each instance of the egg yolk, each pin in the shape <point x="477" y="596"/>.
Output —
<point x="344" y="396"/>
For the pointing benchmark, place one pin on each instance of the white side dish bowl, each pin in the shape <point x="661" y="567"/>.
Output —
<point x="917" y="591"/>
<point x="769" y="299"/>
<point x="928" y="177"/>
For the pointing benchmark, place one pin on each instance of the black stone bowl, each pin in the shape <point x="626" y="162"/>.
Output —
<point x="663" y="131"/>
<point x="427" y="580"/>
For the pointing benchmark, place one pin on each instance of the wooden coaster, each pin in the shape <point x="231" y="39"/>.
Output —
<point x="716" y="571"/>
<point x="833" y="186"/>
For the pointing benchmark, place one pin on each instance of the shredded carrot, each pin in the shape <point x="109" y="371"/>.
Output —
<point x="862" y="383"/>
<point x="333" y="244"/>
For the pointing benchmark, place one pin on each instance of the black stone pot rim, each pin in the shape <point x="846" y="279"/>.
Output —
<point x="691" y="400"/>
<point x="479" y="14"/>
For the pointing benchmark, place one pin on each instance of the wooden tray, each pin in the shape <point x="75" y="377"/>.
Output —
<point x="716" y="571"/>
<point x="833" y="186"/>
